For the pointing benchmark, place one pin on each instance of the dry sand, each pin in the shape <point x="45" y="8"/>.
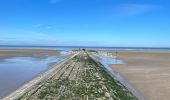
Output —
<point x="5" y="53"/>
<point x="148" y="71"/>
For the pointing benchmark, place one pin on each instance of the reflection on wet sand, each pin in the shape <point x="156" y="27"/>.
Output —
<point x="107" y="60"/>
<point x="17" y="67"/>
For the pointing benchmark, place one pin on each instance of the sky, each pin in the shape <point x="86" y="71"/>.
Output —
<point x="112" y="23"/>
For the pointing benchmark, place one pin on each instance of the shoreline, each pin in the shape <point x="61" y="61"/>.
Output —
<point x="39" y="53"/>
<point x="16" y="58"/>
<point x="37" y="80"/>
<point x="120" y="79"/>
<point x="138" y="70"/>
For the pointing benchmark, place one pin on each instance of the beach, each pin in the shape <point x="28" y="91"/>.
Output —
<point x="6" y="53"/>
<point x="19" y="66"/>
<point x="79" y="78"/>
<point x="146" y="70"/>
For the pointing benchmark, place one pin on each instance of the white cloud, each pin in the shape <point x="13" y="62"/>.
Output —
<point x="133" y="9"/>
<point x="43" y="26"/>
<point x="27" y="36"/>
<point x="21" y="37"/>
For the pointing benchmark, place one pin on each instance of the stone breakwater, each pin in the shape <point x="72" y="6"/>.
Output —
<point x="77" y="78"/>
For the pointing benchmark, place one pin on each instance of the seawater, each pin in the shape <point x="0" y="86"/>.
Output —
<point x="16" y="71"/>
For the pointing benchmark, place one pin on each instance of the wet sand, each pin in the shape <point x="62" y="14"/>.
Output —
<point x="148" y="71"/>
<point x="78" y="78"/>
<point x="13" y="62"/>
<point x="6" y="53"/>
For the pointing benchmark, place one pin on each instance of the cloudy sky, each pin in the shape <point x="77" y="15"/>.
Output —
<point x="85" y="22"/>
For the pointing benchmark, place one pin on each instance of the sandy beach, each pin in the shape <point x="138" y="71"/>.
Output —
<point x="18" y="66"/>
<point x="6" y="53"/>
<point x="148" y="71"/>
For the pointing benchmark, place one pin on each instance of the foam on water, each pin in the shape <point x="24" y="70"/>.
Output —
<point x="64" y="52"/>
<point x="108" y="59"/>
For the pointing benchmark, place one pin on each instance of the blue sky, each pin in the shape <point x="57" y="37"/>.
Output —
<point x="134" y="23"/>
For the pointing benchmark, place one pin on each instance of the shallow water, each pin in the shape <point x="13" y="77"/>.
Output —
<point x="106" y="61"/>
<point x="16" y="71"/>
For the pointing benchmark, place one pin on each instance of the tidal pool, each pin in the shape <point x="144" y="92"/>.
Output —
<point x="106" y="61"/>
<point x="16" y="71"/>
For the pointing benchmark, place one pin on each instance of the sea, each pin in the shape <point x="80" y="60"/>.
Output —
<point x="67" y="48"/>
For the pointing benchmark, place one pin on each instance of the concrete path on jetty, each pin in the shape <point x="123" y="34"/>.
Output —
<point x="77" y="78"/>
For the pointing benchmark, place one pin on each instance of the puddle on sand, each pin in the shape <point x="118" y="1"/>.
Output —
<point x="107" y="59"/>
<point x="16" y="71"/>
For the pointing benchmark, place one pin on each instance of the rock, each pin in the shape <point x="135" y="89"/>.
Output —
<point x="107" y="95"/>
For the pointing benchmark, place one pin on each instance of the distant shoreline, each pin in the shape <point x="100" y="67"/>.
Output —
<point x="14" y="52"/>
<point x="87" y="47"/>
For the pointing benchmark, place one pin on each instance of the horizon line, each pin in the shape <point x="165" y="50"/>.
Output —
<point x="83" y="46"/>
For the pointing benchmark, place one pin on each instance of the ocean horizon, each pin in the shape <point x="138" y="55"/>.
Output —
<point x="87" y="47"/>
